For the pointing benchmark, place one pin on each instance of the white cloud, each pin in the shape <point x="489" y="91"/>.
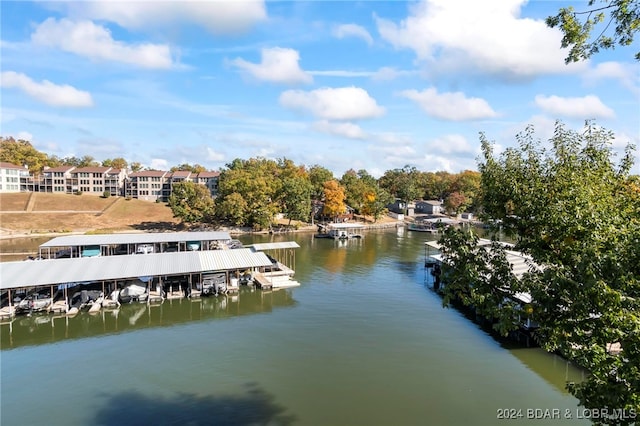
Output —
<point x="159" y="164"/>
<point x="25" y="136"/>
<point x="451" y="144"/>
<point x="213" y="155"/>
<point x="344" y="103"/>
<point x="218" y="17"/>
<point x="488" y="36"/>
<point x="93" y="41"/>
<point x="46" y="91"/>
<point x="390" y="73"/>
<point x="628" y="75"/>
<point x="352" y="30"/>
<point x="345" y="129"/>
<point x="452" y="106"/>
<point x="586" y="107"/>
<point x="278" y="65"/>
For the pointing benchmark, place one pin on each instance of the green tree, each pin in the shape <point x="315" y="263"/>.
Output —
<point x="116" y="163"/>
<point x="402" y="183"/>
<point x="193" y="168"/>
<point x="615" y="23"/>
<point x="191" y="203"/>
<point x="295" y="198"/>
<point x="136" y="167"/>
<point x="318" y="175"/>
<point x="233" y="208"/>
<point x="577" y="214"/>
<point x="256" y="180"/>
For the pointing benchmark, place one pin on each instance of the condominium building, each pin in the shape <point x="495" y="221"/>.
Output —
<point x="149" y="185"/>
<point x="14" y="178"/>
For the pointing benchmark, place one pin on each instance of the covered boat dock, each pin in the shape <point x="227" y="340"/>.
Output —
<point x="132" y="243"/>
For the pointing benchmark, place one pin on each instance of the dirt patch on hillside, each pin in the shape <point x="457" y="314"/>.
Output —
<point x="53" y="213"/>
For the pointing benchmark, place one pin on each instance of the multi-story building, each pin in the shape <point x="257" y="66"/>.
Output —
<point x="210" y="180"/>
<point x="149" y="185"/>
<point x="97" y="180"/>
<point x="14" y="178"/>
<point x="56" y="180"/>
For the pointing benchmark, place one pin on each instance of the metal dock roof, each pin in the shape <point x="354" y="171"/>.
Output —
<point x="85" y="269"/>
<point x="275" y="246"/>
<point x="134" y="238"/>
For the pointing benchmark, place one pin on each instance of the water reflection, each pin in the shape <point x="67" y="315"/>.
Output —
<point x="254" y="407"/>
<point x="45" y="328"/>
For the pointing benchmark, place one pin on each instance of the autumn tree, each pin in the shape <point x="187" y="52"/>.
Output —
<point x="136" y="166"/>
<point x="614" y="24"/>
<point x="191" y="203"/>
<point x="22" y="153"/>
<point x="318" y="175"/>
<point x="334" y="199"/>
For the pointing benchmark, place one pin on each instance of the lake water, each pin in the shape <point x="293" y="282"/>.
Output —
<point x="363" y="341"/>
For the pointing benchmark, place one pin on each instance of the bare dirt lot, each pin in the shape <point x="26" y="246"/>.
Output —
<point x="40" y="213"/>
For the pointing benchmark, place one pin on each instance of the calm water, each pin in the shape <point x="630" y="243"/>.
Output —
<point x="363" y="341"/>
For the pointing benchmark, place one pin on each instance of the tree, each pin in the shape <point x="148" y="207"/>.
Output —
<point x="456" y="202"/>
<point x="334" y="199"/>
<point x="577" y="214"/>
<point x="318" y="175"/>
<point x="233" y="208"/>
<point x="255" y="180"/>
<point x="136" y="167"/>
<point x="577" y="27"/>
<point x="22" y="153"/>
<point x="402" y="183"/>
<point x="191" y="203"/>
<point x="295" y="198"/>
<point x="195" y="168"/>
<point x="116" y="163"/>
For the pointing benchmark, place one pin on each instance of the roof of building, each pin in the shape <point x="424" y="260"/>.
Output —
<point x="103" y="268"/>
<point x="344" y="225"/>
<point x="148" y="173"/>
<point x="141" y="238"/>
<point x="58" y="169"/>
<point x="208" y="174"/>
<point x="5" y="165"/>
<point x="91" y="169"/>
<point x="181" y="174"/>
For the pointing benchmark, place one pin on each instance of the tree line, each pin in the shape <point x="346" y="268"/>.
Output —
<point x="252" y="192"/>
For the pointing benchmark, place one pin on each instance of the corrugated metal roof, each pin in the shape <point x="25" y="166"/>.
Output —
<point x="274" y="246"/>
<point x="142" y="238"/>
<point x="60" y="271"/>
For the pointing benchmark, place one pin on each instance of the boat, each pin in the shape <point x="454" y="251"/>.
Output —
<point x="422" y="226"/>
<point x="133" y="293"/>
<point x="339" y="231"/>
<point x="35" y="302"/>
<point x="86" y="299"/>
<point x="214" y="284"/>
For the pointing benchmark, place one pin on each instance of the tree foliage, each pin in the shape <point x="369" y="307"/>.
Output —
<point x="577" y="214"/>
<point x="334" y="199"/>
<point x="318" y="175"/>
<point x="116" y="163"/>
<point x="616" y="23"/>
<point x="191" y="203"/>
<point x="193" y="168"/>
<point x="22" y="153"/>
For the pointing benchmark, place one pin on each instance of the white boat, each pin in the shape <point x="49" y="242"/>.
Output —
<point x="133" y="293"/>
<point x="35" y="302"/>
<point x="423" y="227"/>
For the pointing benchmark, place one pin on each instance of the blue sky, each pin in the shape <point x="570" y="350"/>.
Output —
<point x="372" y="85"/>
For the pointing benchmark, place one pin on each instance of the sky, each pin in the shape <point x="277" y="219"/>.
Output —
<point x="372" y="85"/>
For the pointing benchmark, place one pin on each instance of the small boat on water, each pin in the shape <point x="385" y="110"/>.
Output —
<point x="214" y="284"/>
<point x="421" y="226"/>
<point x="90" y="300"/>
